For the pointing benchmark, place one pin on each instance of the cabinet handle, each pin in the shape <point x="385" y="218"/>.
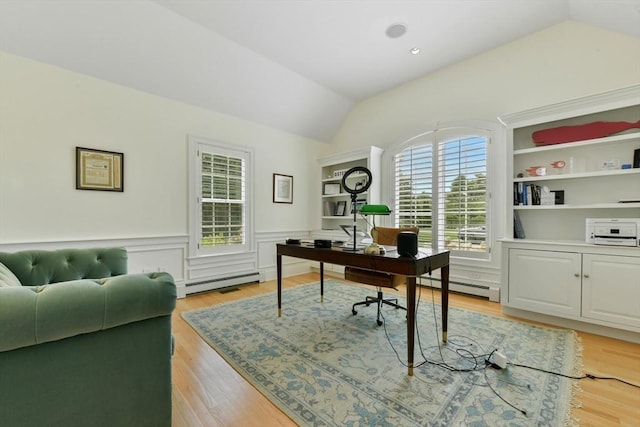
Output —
<point x="586" y="276"/>
<point x="576" y="274"/>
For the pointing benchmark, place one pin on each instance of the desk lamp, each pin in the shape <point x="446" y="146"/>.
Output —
<point x="373" y="210"/>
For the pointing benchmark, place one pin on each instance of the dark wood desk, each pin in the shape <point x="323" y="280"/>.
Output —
<point x="424" y="263"/>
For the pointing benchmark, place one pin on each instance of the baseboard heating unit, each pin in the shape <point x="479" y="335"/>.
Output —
<point x="223" y="282"/>
<point x="492" y="293"/>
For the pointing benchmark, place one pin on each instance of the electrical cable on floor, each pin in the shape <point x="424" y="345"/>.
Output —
<point x="468" y="355"/>
<point x="573" y="377"/>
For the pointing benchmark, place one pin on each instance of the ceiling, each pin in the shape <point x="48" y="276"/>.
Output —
<point x="296" y="65"/>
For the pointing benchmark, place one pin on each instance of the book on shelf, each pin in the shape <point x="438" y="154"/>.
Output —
<point x="328" y="208"/>
<point x="518" y="230"/>
<point x="526" y="194"/>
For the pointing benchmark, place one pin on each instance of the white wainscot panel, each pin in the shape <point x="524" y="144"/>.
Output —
<point x="145" y="254"/>
<point x="266" y="242"/>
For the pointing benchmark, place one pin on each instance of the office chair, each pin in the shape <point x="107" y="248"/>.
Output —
<point x="386" y="237"/>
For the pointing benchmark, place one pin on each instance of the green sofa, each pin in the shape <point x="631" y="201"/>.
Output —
<point x="82" y="343"/>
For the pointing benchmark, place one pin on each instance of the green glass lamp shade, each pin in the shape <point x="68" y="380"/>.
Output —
<point x="375" y="210"/>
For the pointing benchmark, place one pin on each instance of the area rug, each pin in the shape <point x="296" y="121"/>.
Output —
<point x="324" y="366"/>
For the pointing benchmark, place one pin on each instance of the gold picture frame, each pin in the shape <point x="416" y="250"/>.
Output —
<point x="99" y="170"/>
<point x="282" y="188"/>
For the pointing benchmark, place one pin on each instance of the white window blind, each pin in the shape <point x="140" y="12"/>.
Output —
<point x="222" y="200"/>
<point x="441" y="187"/>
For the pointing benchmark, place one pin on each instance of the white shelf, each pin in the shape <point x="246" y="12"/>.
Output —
<point x="339" y="178"/>
<point x="360" y="196"/>
<point x="585" y="206"/>
<point x="601" y="173"/>
<point x="577" y="144"/>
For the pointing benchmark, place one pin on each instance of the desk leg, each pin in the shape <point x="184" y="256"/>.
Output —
<point x="411" y="320"/>
<point x="279" y="269"/>
<point x="444" y="276"/>
<point x="322" y="282"/>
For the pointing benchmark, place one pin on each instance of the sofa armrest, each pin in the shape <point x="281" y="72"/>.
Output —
<point x="32" y="315"/>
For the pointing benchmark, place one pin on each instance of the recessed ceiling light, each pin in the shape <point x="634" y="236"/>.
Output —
<point x="415" y="50"/>
<point x="396" y="30"/>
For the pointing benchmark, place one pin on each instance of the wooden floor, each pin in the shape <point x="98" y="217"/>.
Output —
<point x="209" y="393"/>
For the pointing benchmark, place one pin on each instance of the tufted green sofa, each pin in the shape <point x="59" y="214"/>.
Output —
<point x="82" y="343"/>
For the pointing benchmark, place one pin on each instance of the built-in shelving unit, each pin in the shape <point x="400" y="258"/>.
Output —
<point x="552" y="274"/>
<point x="333" y="194"/>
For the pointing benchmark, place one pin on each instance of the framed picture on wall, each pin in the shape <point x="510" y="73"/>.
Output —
<point x="99" y="170"/>
<point x="282" y="188"/>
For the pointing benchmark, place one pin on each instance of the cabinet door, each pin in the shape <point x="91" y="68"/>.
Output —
<point x="611" y="289"/>
<point x="545" y="281"/>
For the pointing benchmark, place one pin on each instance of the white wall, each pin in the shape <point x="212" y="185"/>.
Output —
<point x="45" y="112"/>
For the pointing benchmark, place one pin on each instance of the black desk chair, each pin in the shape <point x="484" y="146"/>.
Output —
<point x="386" y="237"/>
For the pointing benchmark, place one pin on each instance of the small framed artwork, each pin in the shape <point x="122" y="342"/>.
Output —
<point x="282" y="188"/>
<point x="341" y="208"/>
<point x="99" y="170"/>
<point x="331" y="189"/>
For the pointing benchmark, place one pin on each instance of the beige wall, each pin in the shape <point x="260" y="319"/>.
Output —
<point x="45" y="112"/>
<point x="566" y="61"/>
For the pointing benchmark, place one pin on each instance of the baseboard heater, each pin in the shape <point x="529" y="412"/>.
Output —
<point x="493" y="294"/>
<point x="224" y="282"/>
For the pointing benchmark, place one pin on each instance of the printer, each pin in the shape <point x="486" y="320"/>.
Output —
<point x="613" y="231"/>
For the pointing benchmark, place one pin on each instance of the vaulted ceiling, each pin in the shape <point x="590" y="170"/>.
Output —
<point x="296" y="65"/>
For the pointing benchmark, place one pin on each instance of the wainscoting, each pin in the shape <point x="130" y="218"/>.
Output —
<point x="199" y="274"/>
<point x="191" y="274"/>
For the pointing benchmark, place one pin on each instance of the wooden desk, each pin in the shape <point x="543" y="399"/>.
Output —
<point x="425" y="262"/>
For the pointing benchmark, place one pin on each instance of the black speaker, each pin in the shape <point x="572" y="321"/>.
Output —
<point x="322" y="243"/>
<point x="407" y="243"/>
<point x="636" y="158"/>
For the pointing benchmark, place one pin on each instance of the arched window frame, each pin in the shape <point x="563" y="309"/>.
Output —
<point x="436" y="235"/>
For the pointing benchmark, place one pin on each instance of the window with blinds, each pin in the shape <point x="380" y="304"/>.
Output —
<point x="220" y="210"/>
<point x="441" y="186"/>
<point x="222" y="200"/>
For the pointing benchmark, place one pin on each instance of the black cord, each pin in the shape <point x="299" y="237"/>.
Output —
<point x="468" y="355"/>
<point x="522" y="411"/>
<point x="573" y="377"/>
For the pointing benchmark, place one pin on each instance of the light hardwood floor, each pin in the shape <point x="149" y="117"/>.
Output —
<point x="209" y="393"/>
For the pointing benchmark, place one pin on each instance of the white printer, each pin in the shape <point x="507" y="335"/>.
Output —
<point x="613" y="231"/>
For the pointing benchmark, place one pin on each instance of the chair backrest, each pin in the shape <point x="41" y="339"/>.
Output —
<point x="388" y="236"/>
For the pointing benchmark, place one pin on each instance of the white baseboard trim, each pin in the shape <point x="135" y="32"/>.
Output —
<point x="591" y="328"/>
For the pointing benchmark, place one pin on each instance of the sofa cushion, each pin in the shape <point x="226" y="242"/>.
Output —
<point x="37" y="267"/>
<point x="32" y="315"/>
<point x="7" y="278"/>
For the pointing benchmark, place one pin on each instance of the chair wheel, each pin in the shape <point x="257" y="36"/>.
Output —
<point x="354" y="312"/>
<point x="379" y="322"/>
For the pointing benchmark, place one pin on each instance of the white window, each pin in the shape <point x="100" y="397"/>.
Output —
<point x="221" y="214"/>
<point x="440" y="186"/>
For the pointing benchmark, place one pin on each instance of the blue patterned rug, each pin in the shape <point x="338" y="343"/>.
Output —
<point x="323" y="366"/>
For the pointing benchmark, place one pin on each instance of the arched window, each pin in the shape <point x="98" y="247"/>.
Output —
<point x="440" y="184"/>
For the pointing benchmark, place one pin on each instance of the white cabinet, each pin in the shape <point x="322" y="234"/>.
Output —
<point x="587" y="283"/>
<point x="611" y="289"/>
<point x="336" y="202"/>
<point x="545" y="281"/>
